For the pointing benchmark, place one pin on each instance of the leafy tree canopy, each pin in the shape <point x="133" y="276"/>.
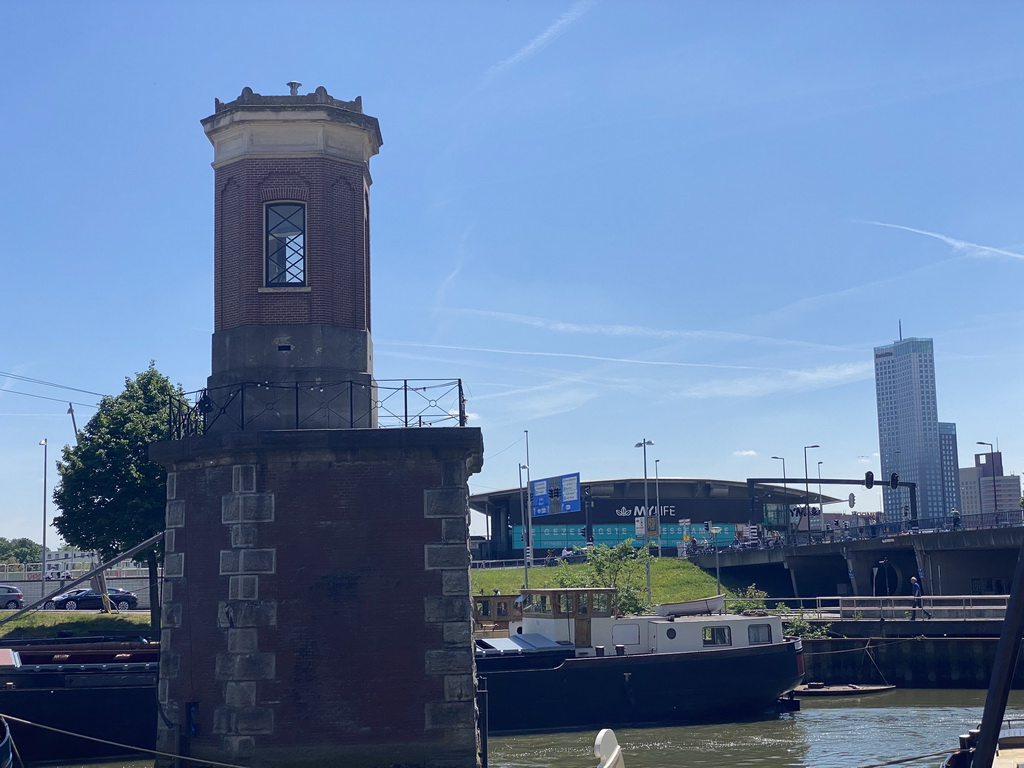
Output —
<point x="622" y="566"/>
<point x="19" y="551"/>
<point x="110" y="494"/>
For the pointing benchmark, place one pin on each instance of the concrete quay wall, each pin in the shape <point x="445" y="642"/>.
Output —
<point x="961" y="562"/>
<point x="906" y="662"/>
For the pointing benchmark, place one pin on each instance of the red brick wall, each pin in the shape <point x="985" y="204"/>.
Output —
<point x="337" y="243"/>
<point x="361" y="641"/>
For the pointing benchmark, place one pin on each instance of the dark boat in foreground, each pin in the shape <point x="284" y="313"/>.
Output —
<point x="103" y="690"/>
<point x="570" y="663"/>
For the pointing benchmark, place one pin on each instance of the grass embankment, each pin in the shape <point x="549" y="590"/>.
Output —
<point x="672" y="580"/>
<point x="72" y="624"/>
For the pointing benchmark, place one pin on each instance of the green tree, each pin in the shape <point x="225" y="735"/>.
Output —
<point x="111" y="496"/>
<point x="622" y="566"/>
<point x="19" y="551"/>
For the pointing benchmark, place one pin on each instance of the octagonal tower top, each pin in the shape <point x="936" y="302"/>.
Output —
<point x="254" y="125"/>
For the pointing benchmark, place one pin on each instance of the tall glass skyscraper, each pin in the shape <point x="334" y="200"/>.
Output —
<point x="909" y="438"/>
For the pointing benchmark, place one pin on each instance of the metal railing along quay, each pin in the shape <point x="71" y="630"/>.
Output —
<point x="946" y="607"/>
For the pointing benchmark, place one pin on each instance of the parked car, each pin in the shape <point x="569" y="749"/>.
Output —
<point x="84" y="599"/>
<point x="11" y="597"/>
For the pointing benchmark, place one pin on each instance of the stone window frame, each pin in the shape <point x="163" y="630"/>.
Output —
<point x="303" y="255"/>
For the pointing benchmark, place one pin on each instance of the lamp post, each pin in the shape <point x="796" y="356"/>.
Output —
<point x="42" y="558"/>
<point x="657" y="503"/>
<point x="807" y="489"/>
<point x="992" y="466"/>
<point x="718" y="571"/>
<point x="820" y="505"/>
<point x="529" y="500"/>
<point x="785" y="497"/>
<point x="647" y="562"/>
<point x="525" y="522"/>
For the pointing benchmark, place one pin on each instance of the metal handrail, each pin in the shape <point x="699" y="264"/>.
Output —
<point x="314" y="404"/>
<point x="887" y="607"/>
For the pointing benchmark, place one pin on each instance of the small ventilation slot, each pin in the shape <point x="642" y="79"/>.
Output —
<point x="284" y="347"/>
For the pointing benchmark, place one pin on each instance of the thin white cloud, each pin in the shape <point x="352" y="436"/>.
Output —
<point x="624" y="331"/>
<point x="541" y="41"/>
<point x="744" y="453"/>
<point x="968" y="249"/>
<point x="782" y="381"/>
<point x="576" y="356"/>
<point x="449" y="280"/>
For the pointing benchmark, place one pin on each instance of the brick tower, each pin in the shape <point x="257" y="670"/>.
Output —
<point x="316" y="597"/>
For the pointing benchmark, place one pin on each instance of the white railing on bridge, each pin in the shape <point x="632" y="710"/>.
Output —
<point x="950" y="607"/>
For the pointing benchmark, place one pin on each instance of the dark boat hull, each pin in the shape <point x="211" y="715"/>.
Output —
<point x="114" y="705"/>
<point x="642" y="689"/>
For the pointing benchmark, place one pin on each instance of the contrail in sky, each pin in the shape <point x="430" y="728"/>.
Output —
<point x="625" y="331"/>
<point x="969" y="249"/>
<point x="541" y="41"/>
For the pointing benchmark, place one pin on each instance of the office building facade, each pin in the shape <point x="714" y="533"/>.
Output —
<point x="950" y="459"/>
<point x="909" y="437"/>
<point x="985" y="490"/>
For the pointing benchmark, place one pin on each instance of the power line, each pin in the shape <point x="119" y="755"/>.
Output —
<point x="44" y="397"/>
<point x="48" y="384"/>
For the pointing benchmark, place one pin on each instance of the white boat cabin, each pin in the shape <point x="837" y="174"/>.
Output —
<point x="584" y="618"/>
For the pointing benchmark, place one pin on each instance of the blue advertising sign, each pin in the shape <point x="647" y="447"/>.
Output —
<point x="555" y="495"/>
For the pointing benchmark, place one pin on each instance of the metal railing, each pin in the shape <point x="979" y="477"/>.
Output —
<point x="319" y="405"/>
<point x="961" y="607"/>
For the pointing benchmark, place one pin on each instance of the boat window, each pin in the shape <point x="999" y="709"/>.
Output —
<point x="581" y="603"/>
<point x="759" y="634"/>
<point x="717" y="636"/>
<point x="503" y="607"/>
<point x="483" y="608"/>
<point x="541" y="604"/>
<point x="564" y="604"/>
<point x="602" y="604"/>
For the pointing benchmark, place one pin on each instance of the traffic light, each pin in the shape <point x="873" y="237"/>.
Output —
<point x="894" y="481"/>
<point x="869" y="479"/>
<point x="707" y="527"/>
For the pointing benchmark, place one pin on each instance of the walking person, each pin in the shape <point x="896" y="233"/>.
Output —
<point x="915" y="590"/>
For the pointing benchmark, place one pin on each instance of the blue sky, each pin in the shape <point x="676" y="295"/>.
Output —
<point x="682" y="221"/>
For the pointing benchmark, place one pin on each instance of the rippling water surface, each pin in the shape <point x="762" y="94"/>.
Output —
<point x="840" y="732"/>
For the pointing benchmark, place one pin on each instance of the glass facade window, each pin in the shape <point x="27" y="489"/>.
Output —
<point x="285" y="255"/>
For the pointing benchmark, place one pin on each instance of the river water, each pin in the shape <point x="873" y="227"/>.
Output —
<point x="828" y="732"/>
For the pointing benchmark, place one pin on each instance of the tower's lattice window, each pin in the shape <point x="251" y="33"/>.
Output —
<point x="286" y="244"/>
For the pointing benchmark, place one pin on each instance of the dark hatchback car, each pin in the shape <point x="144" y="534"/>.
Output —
<point x="11" y="597"/>
<point x="83" y="599"/>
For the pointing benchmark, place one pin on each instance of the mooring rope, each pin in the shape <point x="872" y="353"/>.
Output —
<point x="14" y="748"/>
<point x="914" y="639"/>
<point x="129" y="747"/>
<point x="901" y="760"/>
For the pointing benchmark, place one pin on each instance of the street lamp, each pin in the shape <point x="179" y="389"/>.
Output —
<point x="529" y="500"/>
<point x="807" y="489"/>
<point x="718" y="571"/>
<point x="822" y="506"/>
<point x="643" y="444"/>
<point x="526" y="542"/>
<point x="785" y="496"/>
<point x="992" y="467"/>
<point x="42" y="558"/>
<point x="657" y="503"/>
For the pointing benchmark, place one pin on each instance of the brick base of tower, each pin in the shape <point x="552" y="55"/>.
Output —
<point x="316" y="606"/>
